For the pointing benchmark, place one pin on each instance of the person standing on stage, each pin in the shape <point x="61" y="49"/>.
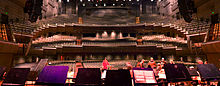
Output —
<point x="105" y="64"/>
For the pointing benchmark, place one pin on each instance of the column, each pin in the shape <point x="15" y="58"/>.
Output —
<point x="143" y="7"/>
<point x="139" y="39"/>
<point x="80" y="8"/>
<point x="79" y="39"/>
<point x="137" y="6"/>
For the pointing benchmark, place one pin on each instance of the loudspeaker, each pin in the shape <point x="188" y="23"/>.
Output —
<point x="33" y="8"/>
<point x="186" y="8"/>
<point x="88" y="76"/>
<point x="176" y="73"/>
<point x="214" y="19"/>
<point x="16" y="76"/>
<point x="28" y="6"/>
<point x="52" y="75"/>
<point x="4" y="19"/>
<point x="208" y="71"/>
<point x="118" y="78"/>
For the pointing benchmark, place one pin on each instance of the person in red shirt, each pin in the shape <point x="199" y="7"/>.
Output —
<point x="152" y="63"/>
<point x="200" y="62"/>
<point x="140" y="64"/>
<point x="105" y="64"/>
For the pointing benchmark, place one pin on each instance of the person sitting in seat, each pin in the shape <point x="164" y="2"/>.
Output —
<point x="140" y="64"/>
<point x="162" y="62"/>
<point x="129" y="66"/>
<point x="152" y="63"/>
<point x="200" y="62"/>
<point x="172" y="62"/>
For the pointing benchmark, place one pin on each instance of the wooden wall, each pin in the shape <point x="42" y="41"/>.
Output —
<point x="212" y="51"/>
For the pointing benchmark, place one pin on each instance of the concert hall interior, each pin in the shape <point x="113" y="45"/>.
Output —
<point x="109" y="42"/>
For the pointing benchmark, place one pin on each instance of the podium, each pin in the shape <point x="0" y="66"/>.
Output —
<point x="144" y="76"/>
<point x="53" y="75"/>
<point x="118" y="78"/>
<point x="16" y="76"/>
<point x="176" y="73"/>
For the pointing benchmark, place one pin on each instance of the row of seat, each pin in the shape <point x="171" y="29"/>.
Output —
<point x="54" y="39"/>
<point x="109" y="43"/>
<point x="157" y="20"/>
<point x="54" y="44"/>
<point x="194" y="27"/>
<point x="164" y="38"/>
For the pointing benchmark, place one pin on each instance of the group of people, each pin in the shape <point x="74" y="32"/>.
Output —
<point x="152" y="64"/>
<point x="141" y="64"/>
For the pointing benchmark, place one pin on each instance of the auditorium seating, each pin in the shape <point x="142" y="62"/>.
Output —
<point x="164" y="38"/>
<point x="54" y="39"/>
<point x="24" y="27"/>
<point x="195" y="27"/>
<point x="164" y="41"/>
<point x="59" y="19"/>
<point x="109" y="43"/>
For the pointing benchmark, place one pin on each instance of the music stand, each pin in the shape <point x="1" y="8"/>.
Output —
<point x="144" y="76"/>
<point x="176" y="73"/>
<point x="194" y="75"/>
<point x="118" y="78"/>
<point x="53" y="75"/>
<point x="208" y="72"/>
<point x="88" y="76"/>
<point x="16" y="76"/>
<point x="2" y="70"/>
